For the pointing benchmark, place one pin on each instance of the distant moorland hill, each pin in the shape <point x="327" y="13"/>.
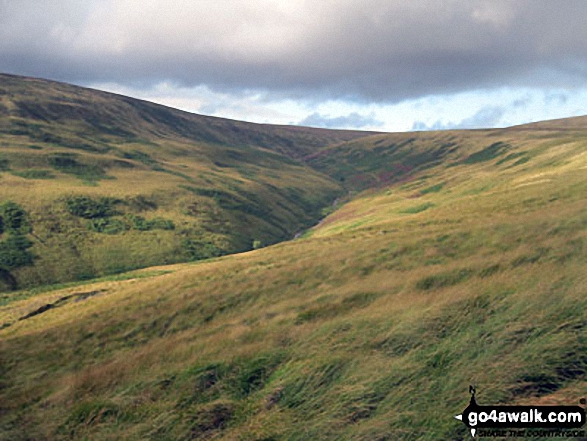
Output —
<point x="452" y="258"/>
<point x="107" y="183"/>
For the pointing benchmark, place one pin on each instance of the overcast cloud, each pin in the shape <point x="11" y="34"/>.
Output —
<point x="369" y="49"/>
<point x="362" y="51"/>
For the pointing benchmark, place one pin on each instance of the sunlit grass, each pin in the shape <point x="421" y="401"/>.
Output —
<point x="372" y="326"/>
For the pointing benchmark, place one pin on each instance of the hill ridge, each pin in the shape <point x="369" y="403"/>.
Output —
<point x="206" y="185"/>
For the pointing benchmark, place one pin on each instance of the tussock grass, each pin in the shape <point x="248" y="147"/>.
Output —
<point x="353" y="333"/>
<point x="372" y="327"/>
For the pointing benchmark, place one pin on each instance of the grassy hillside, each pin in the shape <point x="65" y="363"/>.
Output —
<point x="381" y="160"/>
<point x="464" y="267"/>
<point x="106" y="183"/>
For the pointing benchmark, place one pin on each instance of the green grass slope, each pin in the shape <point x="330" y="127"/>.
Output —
<point x="106" y="183"/>
<point x="384" y="159"/>
<point x="466" y="269"/>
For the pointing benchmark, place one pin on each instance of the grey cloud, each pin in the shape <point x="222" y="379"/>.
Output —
<point x="209" y="109"/>
<point x="522" y="103"/>
<point x="556" y="98"/>
<point x="350" y="121"/>
<point x="377" y="50"/>
<point x="421" y="126"/>
<point x="486" y="117"/>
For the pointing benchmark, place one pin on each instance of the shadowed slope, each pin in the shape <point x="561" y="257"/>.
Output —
<point x="108" y="183"/>
<point x="88" y="114"/>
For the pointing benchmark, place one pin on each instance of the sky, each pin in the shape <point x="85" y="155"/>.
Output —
<point x="385" y="65"/>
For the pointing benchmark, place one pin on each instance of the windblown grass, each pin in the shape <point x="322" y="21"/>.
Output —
<point x="371" y="328"/>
